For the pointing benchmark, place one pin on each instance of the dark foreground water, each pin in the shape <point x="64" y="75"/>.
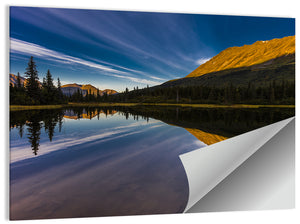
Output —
<point x="80" y="162"/>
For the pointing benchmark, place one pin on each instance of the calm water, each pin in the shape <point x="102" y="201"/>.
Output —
<point x="112" y="161"/>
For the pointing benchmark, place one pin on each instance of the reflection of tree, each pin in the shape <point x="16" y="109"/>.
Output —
<point x="226" y="122"/>
<point x="50" y="123"/>
<point x="33" y="121"/>
<point x="60" y="123"/>
<point x="34" y="132"/>
<point x="21" y="130"/>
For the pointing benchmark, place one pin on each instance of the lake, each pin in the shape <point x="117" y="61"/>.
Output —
<point x="106" y="161"/>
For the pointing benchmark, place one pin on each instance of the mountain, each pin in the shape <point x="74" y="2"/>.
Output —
<point x="247" y="55"/>
<point x="13" y="80"/>
<point x="90" y="89"/>
<point x="70" y="89"/>
<point x="258" y="63"/>
<point x="109" y="91"/>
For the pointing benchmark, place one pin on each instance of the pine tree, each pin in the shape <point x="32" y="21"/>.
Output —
<point x="44" y="83"/>
<point x="32" y="85"/>
<point x="49" y="81"/>
<point x="58" y="85"/>
<point x="18" y="84"/>
<point x="49" y="93"/>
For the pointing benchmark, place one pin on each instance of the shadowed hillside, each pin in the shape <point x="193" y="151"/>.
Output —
<point x="277" y="69"/>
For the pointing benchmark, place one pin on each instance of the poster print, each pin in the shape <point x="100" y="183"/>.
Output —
<point x="103" y="103"/>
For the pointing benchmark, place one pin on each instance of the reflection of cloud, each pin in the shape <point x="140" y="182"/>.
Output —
<point x="201" y="61"/>
<point x="20" y="153"/>
<point x="23" y="47"/>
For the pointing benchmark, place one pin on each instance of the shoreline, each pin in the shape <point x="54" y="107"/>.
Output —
<point x="39" y="107"/>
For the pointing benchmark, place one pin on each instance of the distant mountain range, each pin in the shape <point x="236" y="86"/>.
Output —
<point x="13" y="80"/>
<point x="70" y="89"/>
<point x="257" y="63"/>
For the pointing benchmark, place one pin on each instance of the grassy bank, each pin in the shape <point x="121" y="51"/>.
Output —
<point x="181" y="105"/>
<point x="35" y="107"/>
<point x="38" y="107"/>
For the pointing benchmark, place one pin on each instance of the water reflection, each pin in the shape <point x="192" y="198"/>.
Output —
<point x="209" y="125"/>
<point x="110" y="166"/>
<point x="87" y="113"/>
<point x="112" y="160"/>
<point x="33" y="121"/>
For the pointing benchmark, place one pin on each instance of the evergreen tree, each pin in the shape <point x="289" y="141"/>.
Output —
<point x="44" y="84"/>
<point x="18" y="84"/>
<point x="32" y="85"/>
<point x="58" y="84"/>
<point x="49" y="92"/>
<point x="49" y="81"/>
<point x="60" y="95"/>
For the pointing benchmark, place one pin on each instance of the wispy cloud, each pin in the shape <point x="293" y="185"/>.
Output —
<point x="201" y="61"/>
<point x="123" y="36"/>
<point x="23" y="47"/>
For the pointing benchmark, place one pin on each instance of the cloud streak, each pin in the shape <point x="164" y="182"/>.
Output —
<point x="201" y="61"/>
<point x="23" y="47"/>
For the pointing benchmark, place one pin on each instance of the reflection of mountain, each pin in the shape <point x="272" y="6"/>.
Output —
<point x="70" y="89"/>
<point x="220" y="122"/>
<point x="71" y="114"/>
<point x="205" y="137"/>
<point x="209" y="125"/>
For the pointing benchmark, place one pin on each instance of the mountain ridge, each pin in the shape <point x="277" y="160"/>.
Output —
<point x="242" y="70"/>
<point x="70" y="89"/>
<point x="247" y="55"/>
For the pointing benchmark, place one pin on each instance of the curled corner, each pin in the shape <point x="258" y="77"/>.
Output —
<point x="207" y="167"/>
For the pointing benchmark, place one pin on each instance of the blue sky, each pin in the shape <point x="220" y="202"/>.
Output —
<point x="118" y="49"/>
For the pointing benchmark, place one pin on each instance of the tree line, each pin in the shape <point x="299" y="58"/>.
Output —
<point x="32" y="92"/>
<point x="271" y="92"/>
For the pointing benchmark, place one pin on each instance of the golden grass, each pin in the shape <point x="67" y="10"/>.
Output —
<point x="34" y="107"/>
<point x="219" y="105"/>
<point x="39" y="107"/>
